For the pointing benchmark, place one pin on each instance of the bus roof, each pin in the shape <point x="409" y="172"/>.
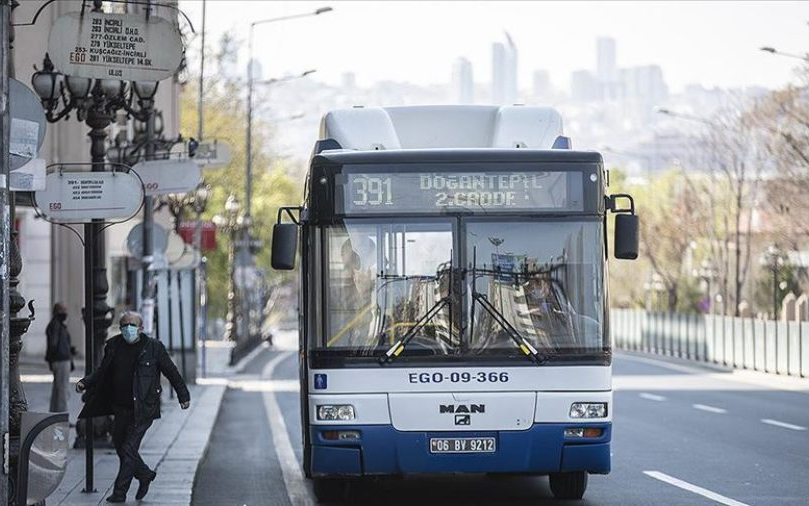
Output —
<point x="443" y="126"/>
<point x="344" y="157"/>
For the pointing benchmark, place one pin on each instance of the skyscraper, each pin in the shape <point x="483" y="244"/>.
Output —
<point x="462" y="82"/>
<point x="606" y="68"/>
<point x="504" y="72"/>
<point x="541" y="89"/>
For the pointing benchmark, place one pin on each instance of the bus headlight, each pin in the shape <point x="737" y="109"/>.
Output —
<point x="588" y="410"/>
<point x="333" y="412"/>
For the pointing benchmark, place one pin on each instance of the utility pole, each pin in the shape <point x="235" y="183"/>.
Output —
<point x="5" y="247"/>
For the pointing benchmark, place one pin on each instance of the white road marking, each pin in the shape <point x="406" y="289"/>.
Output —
<point x="291" y="471"/>
<point x="704" y="492"/>
<point x="784" y="425"/>
<point x="652" y="397"/>
<point x="709" y="409"/>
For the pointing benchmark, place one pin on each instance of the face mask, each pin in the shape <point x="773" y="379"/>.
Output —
<point x="130" y="333"/>
<point x="61" y="317"/>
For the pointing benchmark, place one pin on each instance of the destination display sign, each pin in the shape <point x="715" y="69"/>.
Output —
<point x="80" y="197"/>
<point x="474" y="191"/>
<point x="126" y="47"/>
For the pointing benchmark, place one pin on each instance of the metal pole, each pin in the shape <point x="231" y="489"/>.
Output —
<point x="147" y="294"/>
<point x="249" y="166"/>
<point x="5" y="246"/>
<point x="180" y="299"/>
<point x="199" y="319"/>
<point x="774" y="291"/>
<point x="200" y="117"/>
<point x="89" y="355"/>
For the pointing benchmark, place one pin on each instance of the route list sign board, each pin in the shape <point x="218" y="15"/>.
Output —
<point x="80" y="197"/>
<point x="115" y="46"/>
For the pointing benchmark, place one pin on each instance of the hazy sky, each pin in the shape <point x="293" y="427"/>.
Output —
<point x="711" y="43"/>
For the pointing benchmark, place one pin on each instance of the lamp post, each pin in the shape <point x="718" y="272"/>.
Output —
<point x="200" y="202"/>
<point x="251" y="85"/>
<point x="690" y="117"/>
<point x="230" y="224"/>
<point x="804" y="57"/>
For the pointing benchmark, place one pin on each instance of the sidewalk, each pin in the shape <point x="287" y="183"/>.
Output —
<point x="174" y="445"/>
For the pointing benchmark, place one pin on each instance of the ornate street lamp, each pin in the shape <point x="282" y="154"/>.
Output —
<point x="230" y="224"/>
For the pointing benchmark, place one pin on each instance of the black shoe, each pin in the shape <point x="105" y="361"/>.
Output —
<point x="116" y="497"/>
<point x="143" y="488"/>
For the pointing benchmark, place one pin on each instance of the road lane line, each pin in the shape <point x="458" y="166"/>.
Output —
<point x="704" y="492"/>
<point x="291" y="471"/>
<point x="784" y="425"/>
<point x="652" y="397"/>
<point x="709" y="409"/>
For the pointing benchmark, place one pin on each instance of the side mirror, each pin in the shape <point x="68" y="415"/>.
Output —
<point x="284" y="246"/>
<point x="626" y="236"/>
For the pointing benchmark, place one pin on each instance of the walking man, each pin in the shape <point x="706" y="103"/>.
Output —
<point x="127" y="385"/>
<point x="59" y="357"/>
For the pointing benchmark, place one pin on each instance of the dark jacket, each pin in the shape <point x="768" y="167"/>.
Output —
<point x="152" y="360"/>
<point x="58" y="342"/>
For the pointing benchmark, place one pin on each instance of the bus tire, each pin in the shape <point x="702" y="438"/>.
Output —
<point x="568" y="485"/>
<point x="329" y="490"/>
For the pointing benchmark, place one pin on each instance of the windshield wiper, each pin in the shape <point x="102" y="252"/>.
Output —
<point x="522" y="343"/>
<point x="399" y="346"/>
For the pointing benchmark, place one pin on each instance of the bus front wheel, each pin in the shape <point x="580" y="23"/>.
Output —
<point x="568" y="485"/>
<point x="329" y="490"/>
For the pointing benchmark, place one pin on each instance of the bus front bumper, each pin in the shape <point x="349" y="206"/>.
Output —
<point x="383" y="450"/>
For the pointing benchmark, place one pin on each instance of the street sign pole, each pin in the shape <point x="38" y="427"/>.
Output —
<point x="148" y="303"/>
<point x="5" y="247"/>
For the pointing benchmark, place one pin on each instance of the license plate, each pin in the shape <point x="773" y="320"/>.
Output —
<point x="463" y="445"/>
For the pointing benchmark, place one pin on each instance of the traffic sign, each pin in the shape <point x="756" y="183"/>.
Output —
<point x="207" y="236"/>
<point x="28" y="124"/>
<point x="212" y="154"/>
<point x="127" y="47"/>
<point x="134" y="241"/>
<point x="161" y="177"/>
<point x="80" y="197"/>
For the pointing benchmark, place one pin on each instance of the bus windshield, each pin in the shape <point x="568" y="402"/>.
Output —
<point x="452" y="282"/>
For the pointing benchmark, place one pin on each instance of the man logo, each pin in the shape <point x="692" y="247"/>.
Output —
<point x="463" y="420"/>
<point x="462" y="408"/>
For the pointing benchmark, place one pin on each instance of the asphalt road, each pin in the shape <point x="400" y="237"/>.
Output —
<point x="682" y="435"/>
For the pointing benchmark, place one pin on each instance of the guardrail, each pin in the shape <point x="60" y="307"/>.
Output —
<point x="778" y="347"/>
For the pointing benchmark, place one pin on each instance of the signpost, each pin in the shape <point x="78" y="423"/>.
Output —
<point x="161" y="177"/>
<point x="127" y="47"/>
<point x="80" y="197"/>
<point x="28" y="124"/>
<point x="212" y="154"/>
<point x="134" y="241"/>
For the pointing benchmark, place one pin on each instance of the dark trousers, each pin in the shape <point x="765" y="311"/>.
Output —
<point x="126" y="436"/>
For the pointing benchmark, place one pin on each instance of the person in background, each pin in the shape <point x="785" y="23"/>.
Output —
<point x="127" y="385"/>
<point x="59" y="355"/>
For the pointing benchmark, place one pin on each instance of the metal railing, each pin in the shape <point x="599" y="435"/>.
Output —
<point x="778" y="347"/>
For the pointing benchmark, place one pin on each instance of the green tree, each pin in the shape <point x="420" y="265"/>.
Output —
<point x="225" y="119"/>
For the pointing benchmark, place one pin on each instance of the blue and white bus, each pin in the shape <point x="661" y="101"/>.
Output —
<point x="454" y="310"/>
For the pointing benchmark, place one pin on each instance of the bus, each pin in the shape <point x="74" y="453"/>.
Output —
<point x="453" y="297"/>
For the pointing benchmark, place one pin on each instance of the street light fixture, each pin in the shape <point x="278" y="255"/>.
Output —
<point x="681" y="115"/>
<point x="804" y="58"/>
